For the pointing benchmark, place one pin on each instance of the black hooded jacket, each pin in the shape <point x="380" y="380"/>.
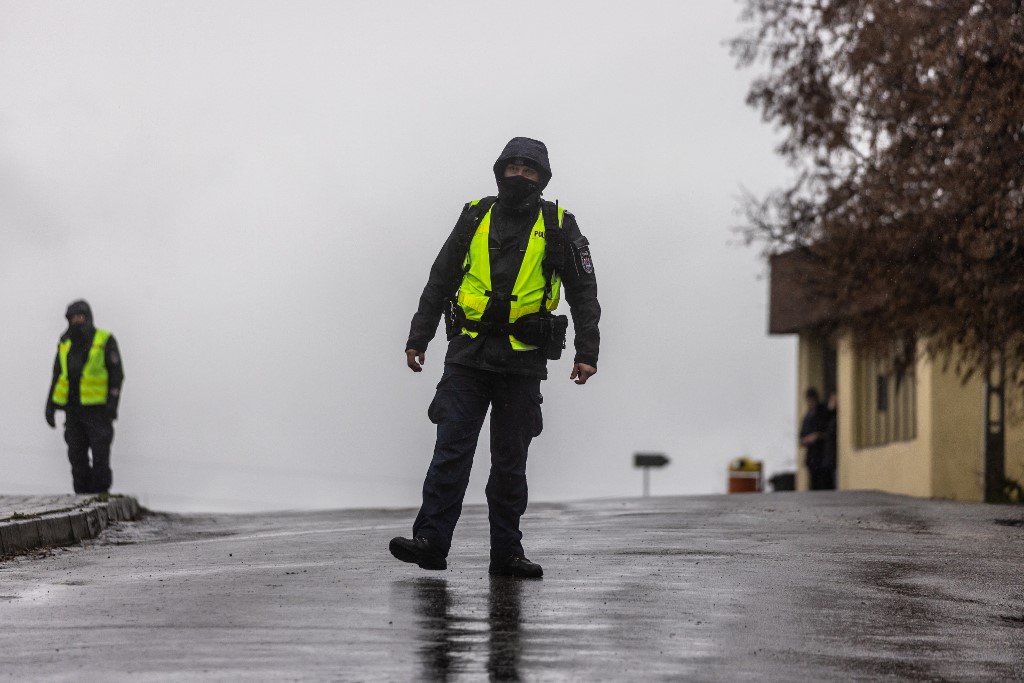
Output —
<point x="81" y="341"/>
<point x="509" y="234"/>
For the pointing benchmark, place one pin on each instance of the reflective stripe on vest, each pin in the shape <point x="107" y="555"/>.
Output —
<point x="92" y="390"/>
<point x="530" y="282"/>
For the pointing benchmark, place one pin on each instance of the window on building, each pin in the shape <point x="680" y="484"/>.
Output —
<point x="886" y="401"/>
<point x="882" y="393"/>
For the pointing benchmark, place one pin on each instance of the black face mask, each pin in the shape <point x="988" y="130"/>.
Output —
<point x="515" y="190"/>
<point x="79" y="331"/>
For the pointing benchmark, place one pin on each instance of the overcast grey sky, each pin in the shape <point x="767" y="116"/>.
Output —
<point x="250" y="195"/>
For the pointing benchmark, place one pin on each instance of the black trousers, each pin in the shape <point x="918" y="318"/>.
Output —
<point x="822" y="478"/>
<point x="88" y="428"/>
<point x="458" y="409"/>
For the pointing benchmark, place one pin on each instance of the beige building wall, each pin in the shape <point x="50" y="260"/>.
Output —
<point x="845" y="478"/>
<point x="957" y="435"/>
<point x="902" y="467"/>
<point x="945" y="459"/>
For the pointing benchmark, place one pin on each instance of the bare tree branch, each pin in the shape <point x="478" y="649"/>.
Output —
<point x="906" y="120"/>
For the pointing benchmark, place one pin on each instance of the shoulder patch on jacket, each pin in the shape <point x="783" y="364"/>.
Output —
<point x="586" y="261"/>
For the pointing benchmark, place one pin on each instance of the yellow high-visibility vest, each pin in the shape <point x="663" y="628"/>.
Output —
<point x="528" y="291"/>
<point x="92" y="390"/>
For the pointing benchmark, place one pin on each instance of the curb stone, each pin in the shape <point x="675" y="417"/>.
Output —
<point x="65" y="528"/>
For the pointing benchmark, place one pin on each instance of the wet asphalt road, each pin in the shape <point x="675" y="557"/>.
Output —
<point x="778" y="587"/>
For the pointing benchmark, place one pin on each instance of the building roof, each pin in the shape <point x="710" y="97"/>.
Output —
<point x="792" y="304"/>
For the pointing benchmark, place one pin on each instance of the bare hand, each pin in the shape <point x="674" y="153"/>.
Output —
<point x="581" y="372"/>
<point x="415" y="359"/>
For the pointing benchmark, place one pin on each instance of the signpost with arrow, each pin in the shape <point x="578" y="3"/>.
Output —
<point x="646" y="461"/>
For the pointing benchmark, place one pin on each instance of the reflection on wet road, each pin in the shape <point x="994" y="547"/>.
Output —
<point x="451" y="632"/>
<point x="504" y="619"/>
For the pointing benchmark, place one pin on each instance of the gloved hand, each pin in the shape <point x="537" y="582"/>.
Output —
<point x="51" y="410"/>
<point x="111" y="412"/>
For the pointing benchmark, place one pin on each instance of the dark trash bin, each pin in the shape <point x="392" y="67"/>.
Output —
<point x="783" y="481"/>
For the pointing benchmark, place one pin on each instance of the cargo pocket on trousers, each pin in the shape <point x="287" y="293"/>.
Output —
<point x="435" y="411"/>
<point x="536" y="399"/>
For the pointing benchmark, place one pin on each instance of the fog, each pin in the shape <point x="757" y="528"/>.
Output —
<point x="250" y="195"/>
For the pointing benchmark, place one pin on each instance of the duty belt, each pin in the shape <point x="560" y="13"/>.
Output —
<point x="481" y="327"/>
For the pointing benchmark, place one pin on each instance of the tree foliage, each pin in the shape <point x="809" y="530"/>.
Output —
<point x="904" y="120"/>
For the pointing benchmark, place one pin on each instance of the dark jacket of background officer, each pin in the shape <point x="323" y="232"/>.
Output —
<point x="814" y="435"/>
<point x="484" y="370"/>
<point x="86" y="385"/>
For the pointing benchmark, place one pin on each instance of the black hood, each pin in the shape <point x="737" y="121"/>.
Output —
<point x="80" y="306"/>
<point x="532" y="151"/>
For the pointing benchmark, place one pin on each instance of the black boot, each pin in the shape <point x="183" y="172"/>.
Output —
<point x="418" y="551"/>
<point x="516" y="565"/>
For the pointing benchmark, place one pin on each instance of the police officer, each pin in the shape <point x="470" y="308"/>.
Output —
<point x="498" y="280"/>
<point x="87" y="377"/>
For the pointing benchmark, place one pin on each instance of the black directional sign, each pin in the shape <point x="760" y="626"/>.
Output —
<point x="649" y="460"/>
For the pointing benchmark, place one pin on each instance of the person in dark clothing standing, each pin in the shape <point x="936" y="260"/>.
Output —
<point x="87" y="377"/>
<point x="815" y="439"/>
<point x="498" y="280"/>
